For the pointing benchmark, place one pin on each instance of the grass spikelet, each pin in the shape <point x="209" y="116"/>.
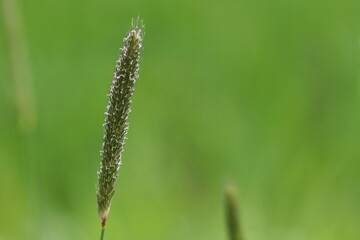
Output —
<point x="116" y="121"/>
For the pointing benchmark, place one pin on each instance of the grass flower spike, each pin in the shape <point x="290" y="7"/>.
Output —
<point x="116" y="122"/>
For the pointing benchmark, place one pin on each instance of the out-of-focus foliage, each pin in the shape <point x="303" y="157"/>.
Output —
<point x="262" y="94"/>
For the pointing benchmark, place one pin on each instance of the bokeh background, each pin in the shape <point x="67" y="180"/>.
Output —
<point x="264" y="95"/>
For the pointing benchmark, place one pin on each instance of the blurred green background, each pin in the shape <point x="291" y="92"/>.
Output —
<point x="264" y="95"/>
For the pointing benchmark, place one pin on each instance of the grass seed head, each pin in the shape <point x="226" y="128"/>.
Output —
<point x="116" y="121"/>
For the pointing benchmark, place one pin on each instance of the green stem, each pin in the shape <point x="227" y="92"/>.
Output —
<point x="102" y="234"/>
<point x="232" y="220"/>
<point x="20" y="71"/>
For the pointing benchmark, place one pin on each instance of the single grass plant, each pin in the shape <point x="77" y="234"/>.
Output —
<point x="116" y="121"/>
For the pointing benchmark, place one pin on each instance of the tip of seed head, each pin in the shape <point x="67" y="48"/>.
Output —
<point x="138" y="33"/>
<point x="138" y="26"/>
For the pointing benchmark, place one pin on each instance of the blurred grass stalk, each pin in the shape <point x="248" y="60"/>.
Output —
<point x="231" y="211"/>
<point x="24" y="104"/>
<point x="19" y="66"/>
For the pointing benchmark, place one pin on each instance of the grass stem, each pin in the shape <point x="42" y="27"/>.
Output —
<point x="232" y="220"/>
<point x="102" y="234"/>
<point x="19" y="64"/>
